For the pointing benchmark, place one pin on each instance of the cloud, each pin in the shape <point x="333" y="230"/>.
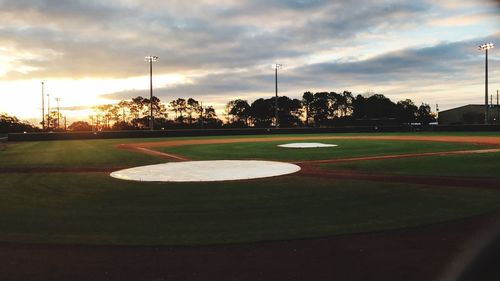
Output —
<point x="447" y="59"/>
<point x="86" y="39"/>
<point x="224" y="47"/>
<point x="410" y="71"/>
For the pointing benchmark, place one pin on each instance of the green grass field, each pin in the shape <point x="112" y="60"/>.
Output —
<point x="346" y="148"/>
<point x="74" y="153"/>
<point x="473" y="165"/>
<point x="96" y="209"/>
<point x="93" y="208"/>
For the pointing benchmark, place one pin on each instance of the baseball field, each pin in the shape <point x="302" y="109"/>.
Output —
<point x="376" y="206"/>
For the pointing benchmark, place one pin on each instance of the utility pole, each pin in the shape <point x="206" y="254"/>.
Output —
<point x="485" y="47"/>
<point x="48" y="111"/>
<point x="65" y="124"/>
<point x="276" y="67"/>
<point x="437" y="113"/>
<point x="43" y="109"/>
<point x="151" y="59"/>
<point x="58" y="114"/>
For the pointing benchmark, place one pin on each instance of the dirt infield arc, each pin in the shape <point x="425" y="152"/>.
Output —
<point x="459" y="139"/>
<point x="311" y="168"/>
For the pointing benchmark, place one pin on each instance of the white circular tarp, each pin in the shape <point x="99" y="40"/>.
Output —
<point x="306" y="145"/>
<point x="199" y="171"/>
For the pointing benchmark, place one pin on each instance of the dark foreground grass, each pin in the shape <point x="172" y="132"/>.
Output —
<point x="346" y="148"/>
<point x="96" y="209"/>
<point x="471" y="165"/>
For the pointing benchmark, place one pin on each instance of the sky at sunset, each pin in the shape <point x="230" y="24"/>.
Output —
<point x="92" y="52"/>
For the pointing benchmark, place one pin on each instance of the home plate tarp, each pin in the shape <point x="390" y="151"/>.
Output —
<point x="306" y="145"/>
<point x="200" y="171"/>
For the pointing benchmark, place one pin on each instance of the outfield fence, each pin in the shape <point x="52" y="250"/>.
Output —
<point x="245" y="131"/>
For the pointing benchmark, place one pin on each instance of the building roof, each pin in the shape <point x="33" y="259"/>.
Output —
<point x="468" y="105"/>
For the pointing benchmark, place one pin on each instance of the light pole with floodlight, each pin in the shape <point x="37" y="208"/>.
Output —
<point x="151" y="59"/>
<point x="43" y="109"/>
<point x="58" y="115"/>
<point x="485" y="47"/>
<point x="276" y="67"/>
<point x="48" y="111"/>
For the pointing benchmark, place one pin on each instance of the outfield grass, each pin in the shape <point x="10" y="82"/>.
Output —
<point x="74" y="153"/>
<point x="103" y="153"/>
<point x="93" y="208"/>
<point x="346" y="148"/>
<point x="96" y="209"/>
<point x="471" y="165"/>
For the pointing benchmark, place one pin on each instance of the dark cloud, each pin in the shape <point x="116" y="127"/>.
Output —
<point x="441" y="61"/>
<point x="416" y="68"/>
<point x="109" y="39"/>
<point x="212" y="87"/>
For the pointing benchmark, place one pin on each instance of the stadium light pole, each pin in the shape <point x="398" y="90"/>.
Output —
<point x="43" y="108"/>
<point x="276" y="66"/>
<point x="498" y="110"/>
<point x="151" y="59"/>
<point x="58" y="114"/>
<point x="48" y="111"/>
<point x="485" y="47"/>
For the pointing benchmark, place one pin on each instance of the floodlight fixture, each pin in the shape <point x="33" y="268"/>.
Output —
<point x="277" y="66"/>
<point x="151" y="59"/>
<point x="485" y="47"/>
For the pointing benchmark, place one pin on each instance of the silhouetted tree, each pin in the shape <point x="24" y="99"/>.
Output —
<point x="289" y="111"/>
<point x="136" y="107"/>
<point x="210" y="119"/>
<point x="307" y="99"/>
<point x="425" y="115"/>
<point x="406" y="111"/>
<point x="11" y="124"/>
<point x="374" y="107"/>
<point x="262" y="112"/>
<point x="179" y="106"/>
<point x="192" y="106"/>
<point x="80" y="126"/>
<point x="240" y="111"/>
<point x="320" y="108"/>
<point x="344" y="101"/>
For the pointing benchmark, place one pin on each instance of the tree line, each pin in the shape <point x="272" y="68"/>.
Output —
<point x="320" y="109"/>
<point x="324" y="109"/>
<point x="11" y="124"/>
<point x="134" y="114"/>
